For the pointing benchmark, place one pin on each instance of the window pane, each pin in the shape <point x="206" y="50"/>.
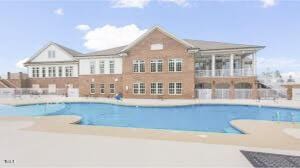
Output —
<point x="171" y="66"/>
<point x="153" y="88"/>
<point x="142" y="88"/>
<point x="135" y="88"/>
<point x="159" y="88"/>
<point x="178" y="88"/>
<point x="142" y="66"/>
<point x="178" y="66"/>
<point x="171" y="88"/>
<point x="111" y="67"/>
<point x="159" y="66"/>
<point x="153" y="67"/>
<point x="101" y="67"/>
<point x="112" y="88"/>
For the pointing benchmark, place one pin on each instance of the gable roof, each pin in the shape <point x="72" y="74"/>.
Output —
<point x="188" y="45"/>
<point x="69" y="51"/>
<point x="213" y="45"/>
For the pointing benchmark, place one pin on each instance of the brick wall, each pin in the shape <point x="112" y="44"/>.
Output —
<point x="172" y="49"/>
<point x="86" y="80"/>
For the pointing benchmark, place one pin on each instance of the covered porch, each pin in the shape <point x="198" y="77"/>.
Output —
<point x="233" y="64"/>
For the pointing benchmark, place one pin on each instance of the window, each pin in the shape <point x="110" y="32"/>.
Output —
<point x="51" y="54"/>
<point x="111" y="66"/>
<point x="102" y="89"/>
<point x="156" y="46"/>
<point x="54" y="71"/>
<point x="139" y="88"/>
<point x="175" y="88"/>
<point x="92" y="88"/>
<point x="138" y="66"/>
<point x="43" y="72"/>
<point x="92" y="67"/>
<point x="111" y="88"/>
<point x="50" y="72"/>
<point x="157" y="88"/>
<point x="101" y="67"/>
<point x="35" y="72"/>
<point x="156" y="65"/>
<point x="60" y="71"/>
<point x="175" y="65"/>
<point x="69" y="71"/>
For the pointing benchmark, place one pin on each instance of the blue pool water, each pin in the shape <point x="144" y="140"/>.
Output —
<point x="211" y="118"/>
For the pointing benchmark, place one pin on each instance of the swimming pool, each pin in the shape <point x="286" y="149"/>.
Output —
<point x="210" y="118"/>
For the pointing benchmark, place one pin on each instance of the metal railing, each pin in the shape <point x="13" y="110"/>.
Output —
<point x="204" y="93"/>
<point x="242" y="93"/>
<point x="225" y="72"/>
<point x="16" y="92"/>
<point x="272" y="93"/>
<point x="222" y="94"/>
<point x="243" y="72"/>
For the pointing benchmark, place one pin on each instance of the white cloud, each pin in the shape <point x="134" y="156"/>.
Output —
<point x="130" y="3"/>
<point x="20" y="64"/>
<point x="143" y="3"/>
<point x="83" y="27"/>
<point x="59" y="11"/>
<point x="177" y="2"/>
<point x="268" y="3"/>
<point x="110" y="36"/>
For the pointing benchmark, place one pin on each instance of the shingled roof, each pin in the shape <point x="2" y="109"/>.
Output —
<point x="68" y="50"/>
<point x="213" y="45"/>
<point x="111" y="51"/>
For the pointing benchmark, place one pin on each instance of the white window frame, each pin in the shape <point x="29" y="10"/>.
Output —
<point x="50" y="72"/>
<point x="175" y="89"/>
<point x="51" y="54"/>
<point x="139" y="64"/>
<point x="68" y="71"/>
<point x="112" y="66"/>
<point x="102" y="89"/>
<point x="92" y="89"/>
<point x="92" y="67"/>
<point x="44" y="72"/>
<point x="54" y="71"/>
<point x="176" y="62"/>
<point x="101" y="66"/>
<point x="156" y="88"/>
<point x="138" y="88"/>
<point x="156" y="63"/>
<point x="112" y="88"/>
<point x="60" y="71"/>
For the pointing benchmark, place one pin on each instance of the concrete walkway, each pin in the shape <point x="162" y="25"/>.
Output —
<point x="39" y="149"/>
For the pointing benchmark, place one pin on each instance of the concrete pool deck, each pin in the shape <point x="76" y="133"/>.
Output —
<point x="182" y="148"/>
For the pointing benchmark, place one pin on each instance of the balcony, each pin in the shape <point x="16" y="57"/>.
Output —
<point x="225" y="73"/>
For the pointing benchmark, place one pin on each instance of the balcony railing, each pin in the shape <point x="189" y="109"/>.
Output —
<point x="224" y="72"/>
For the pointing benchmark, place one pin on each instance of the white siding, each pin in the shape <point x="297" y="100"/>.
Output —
<point x="75" y="70"/>
<point x="60" y="55"/>
<point x="84" y="65"/>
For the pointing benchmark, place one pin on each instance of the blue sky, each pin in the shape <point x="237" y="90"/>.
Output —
<point x="28" y="26"/>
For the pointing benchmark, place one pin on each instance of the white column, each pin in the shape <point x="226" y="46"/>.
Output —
<point x="254" y="63"/>
<point x="213" y="64"/>
<point x="231" y="64"/>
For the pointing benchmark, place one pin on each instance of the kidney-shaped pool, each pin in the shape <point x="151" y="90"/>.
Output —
<point x="210" y="118"/>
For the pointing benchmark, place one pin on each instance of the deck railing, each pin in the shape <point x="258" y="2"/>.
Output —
<point x="224" y="72"/>
<point x="16" y="92"/>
